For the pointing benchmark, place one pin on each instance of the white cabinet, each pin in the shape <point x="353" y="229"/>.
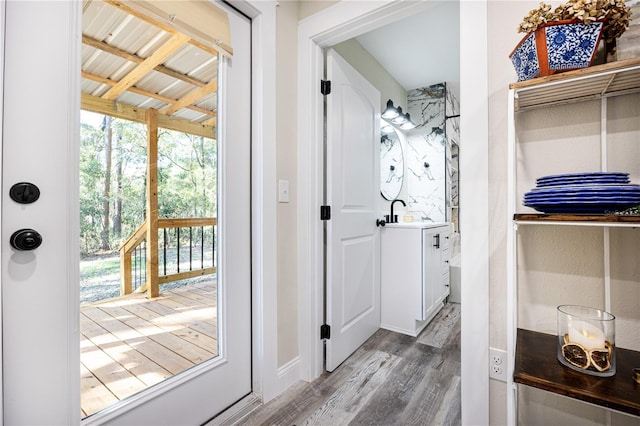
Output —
<point x="531" y="359"/>
<point x="414" y="275"/>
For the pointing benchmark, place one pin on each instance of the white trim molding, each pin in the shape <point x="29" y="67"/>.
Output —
<point x="474" y="220"/>
<point x="289" y="374"/>
<point x="3" y="6"/>
<point x="263" y="196"/>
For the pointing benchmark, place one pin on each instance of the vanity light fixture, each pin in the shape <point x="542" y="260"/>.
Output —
<point x="394" y="116"/>
<point x="390" y="112"/>
<point x="408" y="125"/>
<point x="401" y="118"/>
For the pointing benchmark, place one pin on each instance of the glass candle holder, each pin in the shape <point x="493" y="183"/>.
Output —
<point x="586" y="340"/>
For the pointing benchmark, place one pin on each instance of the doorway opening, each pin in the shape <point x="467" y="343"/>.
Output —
<point x="348" y="20"/>
<point x="425" y="163"/>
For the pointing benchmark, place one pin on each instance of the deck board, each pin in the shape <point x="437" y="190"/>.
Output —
<point x="130" y="343"/>
<point x="133" y="361"/>
<point x="195" y="320"/>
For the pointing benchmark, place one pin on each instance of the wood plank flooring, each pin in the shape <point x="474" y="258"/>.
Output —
<point x="392" y="379"/>
<point x="130" y="343"/>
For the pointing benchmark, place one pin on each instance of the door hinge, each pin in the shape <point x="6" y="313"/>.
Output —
<point x="325" y="331"/>
<point x="325" y="87"/>
<point x="325" y="212"/>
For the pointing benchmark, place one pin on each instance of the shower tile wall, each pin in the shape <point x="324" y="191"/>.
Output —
<point x="428" y="160"/>
<point x="452" y="132"/>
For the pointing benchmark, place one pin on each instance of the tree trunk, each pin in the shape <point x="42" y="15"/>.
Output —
<point x="107" y="183"/>
<point x="117" y="217"/>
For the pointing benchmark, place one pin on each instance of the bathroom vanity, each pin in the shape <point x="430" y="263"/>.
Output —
<point x="414" y="275"/>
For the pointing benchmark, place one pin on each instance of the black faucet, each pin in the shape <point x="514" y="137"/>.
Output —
<point x="394" y="218"/>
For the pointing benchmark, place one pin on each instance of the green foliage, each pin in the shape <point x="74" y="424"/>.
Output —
<point x="186" y="182"/>
<point x="187" y="168"/>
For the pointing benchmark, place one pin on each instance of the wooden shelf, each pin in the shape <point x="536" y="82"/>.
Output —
<point x="537" y="365"/>
<point x="577" y="219"/>
<point x="611" y="79"/>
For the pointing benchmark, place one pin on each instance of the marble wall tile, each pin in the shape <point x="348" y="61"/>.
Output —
<point x="426" y="169"/>
<point x="391" y="165"/>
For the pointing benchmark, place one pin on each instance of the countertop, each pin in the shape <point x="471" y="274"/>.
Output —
<point x="417" y="225"/>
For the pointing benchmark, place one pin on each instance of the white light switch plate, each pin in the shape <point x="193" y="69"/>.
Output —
<point x="283" y="191"/>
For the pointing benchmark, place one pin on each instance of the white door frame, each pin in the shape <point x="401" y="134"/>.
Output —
<point x="2" y="25"/>
<point x="341" y="22"/>
<point x="264" y="290"/>
<point x="266" y="382"/>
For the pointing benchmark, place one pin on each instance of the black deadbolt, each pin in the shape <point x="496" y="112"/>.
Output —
<point x="25" y="239"/>
<point x="24" y="193"/>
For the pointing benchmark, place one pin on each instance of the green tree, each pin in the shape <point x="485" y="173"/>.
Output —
<point x="112" y="193"/>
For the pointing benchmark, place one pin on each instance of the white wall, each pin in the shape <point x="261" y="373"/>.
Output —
<point x="286" y="121"/>
<point x="561" y="264"/>
<point x="309" y="7"/>
<point x="353" y="52"/>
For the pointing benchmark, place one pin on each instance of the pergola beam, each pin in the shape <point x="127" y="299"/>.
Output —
<point x="148" y="94"/>
<point x="128" y="112"/>
<point x="191" y="98"/>
<point x="100" y="45"/>
<point x="152" y="203"/>
<point x="163" y="52"/>
<point x="158" y="24"/>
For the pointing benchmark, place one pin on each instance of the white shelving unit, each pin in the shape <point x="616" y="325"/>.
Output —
<point x="598" y="82"/>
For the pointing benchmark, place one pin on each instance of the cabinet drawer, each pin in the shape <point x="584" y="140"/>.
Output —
<point x="444" y="256"/>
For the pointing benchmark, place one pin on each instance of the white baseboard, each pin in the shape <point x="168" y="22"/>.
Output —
<point x="289" y="374"/>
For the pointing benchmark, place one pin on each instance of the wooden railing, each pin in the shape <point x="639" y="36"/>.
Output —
<point x="186" y="249"/>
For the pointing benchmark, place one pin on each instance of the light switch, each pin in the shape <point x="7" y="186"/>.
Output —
<point x="283" y="191"/>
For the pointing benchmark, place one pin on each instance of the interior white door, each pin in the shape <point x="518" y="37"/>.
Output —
<point x="40" y="336"/>
<point x="352" y="182"/>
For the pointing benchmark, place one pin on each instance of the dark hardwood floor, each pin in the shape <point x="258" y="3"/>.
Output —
<point x="392" y="379"/>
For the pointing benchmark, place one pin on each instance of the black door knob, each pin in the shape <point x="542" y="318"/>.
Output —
<point x="24" y="193"/>
<point x="25" y="239"/>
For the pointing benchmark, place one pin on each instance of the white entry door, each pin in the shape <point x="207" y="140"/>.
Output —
<point x="353" y="239"/>
<point x="40" y="305"/>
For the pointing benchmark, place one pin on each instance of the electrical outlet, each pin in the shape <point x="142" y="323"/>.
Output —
<point x="497" y="364"/>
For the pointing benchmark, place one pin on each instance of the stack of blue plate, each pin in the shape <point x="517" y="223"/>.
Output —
<point x="587" y="193"/>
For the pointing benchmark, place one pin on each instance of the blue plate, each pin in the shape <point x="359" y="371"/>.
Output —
<point x="588" y="189"/>
<point x="583" y="200"/>
<point x="602" y="181"/>
<point x="593" y="201"/>
<point x="587" y="175"/>
<point x="613" y="193"/>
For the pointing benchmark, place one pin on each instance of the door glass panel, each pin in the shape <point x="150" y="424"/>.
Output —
<point x="148" y="206"/>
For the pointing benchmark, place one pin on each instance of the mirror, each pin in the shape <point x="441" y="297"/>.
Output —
<point x="391" y="163"/>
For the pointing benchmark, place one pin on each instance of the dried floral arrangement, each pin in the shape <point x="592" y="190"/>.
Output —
<point x="615" y="13"/>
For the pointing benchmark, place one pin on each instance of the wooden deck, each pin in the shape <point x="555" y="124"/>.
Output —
<point x="130" y="343"/>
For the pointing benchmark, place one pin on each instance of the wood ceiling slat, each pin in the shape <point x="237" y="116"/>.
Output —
<point x="191" y="98"/>
<point x="211" y="122"/>
<point x="100" y="45"/>
<point x="146" y="93"/>
<point x="144" y="66"/>
<point x="156" y="23"/>
<point x="157" y="57"/>
<point x="128" y="112"/>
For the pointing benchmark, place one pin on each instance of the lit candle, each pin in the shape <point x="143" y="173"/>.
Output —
<point x="588" y="335"/>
